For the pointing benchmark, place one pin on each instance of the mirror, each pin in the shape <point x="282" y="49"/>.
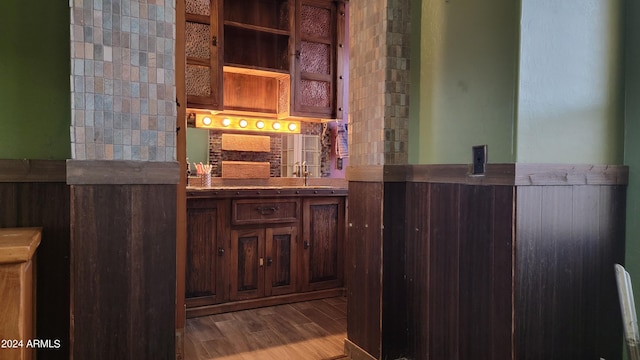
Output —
<point x="315" y="146"/>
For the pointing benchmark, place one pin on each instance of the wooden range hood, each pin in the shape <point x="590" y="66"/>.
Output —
<point x="253" y="94"/>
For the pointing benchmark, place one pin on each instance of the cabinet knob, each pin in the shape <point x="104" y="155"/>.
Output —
<point x="269" y="261"/>
<point x="214" y="41"/>
<point x="298" y="54"/>
<point x="305" y="244"/>
<point x="220" y="251"/>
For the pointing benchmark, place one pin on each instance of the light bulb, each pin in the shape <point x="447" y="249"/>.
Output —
<point x="226" y="122"/>
<point x="276" y="126"/>
<point x="260" y="124"/>
<point x="243" y="123"/>
<point x="292" y="126"/>
<point x="206" y="121"/>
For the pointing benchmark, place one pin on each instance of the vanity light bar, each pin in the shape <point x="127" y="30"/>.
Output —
<point x="219" y="122"/>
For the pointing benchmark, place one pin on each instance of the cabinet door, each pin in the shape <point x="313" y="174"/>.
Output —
<point x="205" y="257"/>
<point x="314" y="77"/>
<point x="247" y="264"/>
<point x="322" y="243"/>
<point x="203" y="47"/>
<point x="280" y="260"/>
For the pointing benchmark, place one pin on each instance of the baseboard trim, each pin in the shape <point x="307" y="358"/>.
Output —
<point x="355" y="352"/>
<point x="262" y="302"/>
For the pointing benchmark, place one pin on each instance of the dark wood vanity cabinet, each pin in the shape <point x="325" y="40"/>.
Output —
<point x="206" y="251"/>
<point x="321" y="264"/>
<point x="263" y="247"/>
<point x="263" y="262"/>
<point x="250" y="252"/>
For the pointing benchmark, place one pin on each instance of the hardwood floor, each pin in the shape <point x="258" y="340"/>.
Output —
<point x="312" y="330"/>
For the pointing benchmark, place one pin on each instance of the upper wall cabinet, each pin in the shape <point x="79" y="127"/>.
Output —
<point x="317" y="74"/>
<point x="203" y="73"/>
<point x="257" y="34"/>
<point x="275" y="57"/>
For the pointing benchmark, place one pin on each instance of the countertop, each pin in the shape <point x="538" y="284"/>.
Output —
<point x="265" y="191"/>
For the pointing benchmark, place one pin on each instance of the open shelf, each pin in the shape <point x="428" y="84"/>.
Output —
<point x="265" y="14"/>
<point x="248" y="47"/>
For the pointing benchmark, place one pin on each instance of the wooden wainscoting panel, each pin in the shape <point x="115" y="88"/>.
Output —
<point x="459" y="277"/>
<point x="503" y="223"/>
<point x="364" y="259"/>
<point x="418" y="290"/>
<point x="443" y="266"/>
<point x="475" y="225"/>
<point x="485" y="225"/>
<point x="567" y="240"/>
<point x="46" y="205"/>
<point x="610" y="249"/>
<point x="394" y="298"/>
<point x="123" y="271"/>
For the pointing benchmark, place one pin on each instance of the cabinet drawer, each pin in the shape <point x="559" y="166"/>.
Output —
<point x="265" y="211"/>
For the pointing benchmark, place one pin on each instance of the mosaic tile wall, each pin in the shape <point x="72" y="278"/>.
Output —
<point x="123" y="80"/>
<point x="217" y="155"/>
<point x="379" y="82"/>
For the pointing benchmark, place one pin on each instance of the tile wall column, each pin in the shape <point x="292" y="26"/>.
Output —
<point x="379" y="82"/>
<point x="378" y="139"/>
<point x="122" y="179"/>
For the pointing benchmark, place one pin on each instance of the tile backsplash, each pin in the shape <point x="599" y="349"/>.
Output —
<point x="123" y="80"/>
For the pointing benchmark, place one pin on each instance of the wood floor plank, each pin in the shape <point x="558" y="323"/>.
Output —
<point x="285" y="328"/>
<point x="313" y="330"/>
<point x="321" y="346"/>
<point x="329" y="325"/>
<point x="292" y="314"/>
<point x="217" y="348"/>
<point x="331" y="311"/>
<point x="203" y="329"/>
<point x="340" y="303"/>
<point x="194" y="349"/>
<point x="250" y="321"/>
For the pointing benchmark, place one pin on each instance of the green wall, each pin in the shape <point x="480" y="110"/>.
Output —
<point x="539" y="81"/>
<point x="467" y="77"/>
<point x="570" y="96"/>
<point x="197" y="146"/>
<point x="35" y="113"/>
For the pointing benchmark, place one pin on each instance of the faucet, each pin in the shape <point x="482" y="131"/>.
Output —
<point x="305" y="173"/>
<point x="296" y="169"/>
<point x="301" y="170"/>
